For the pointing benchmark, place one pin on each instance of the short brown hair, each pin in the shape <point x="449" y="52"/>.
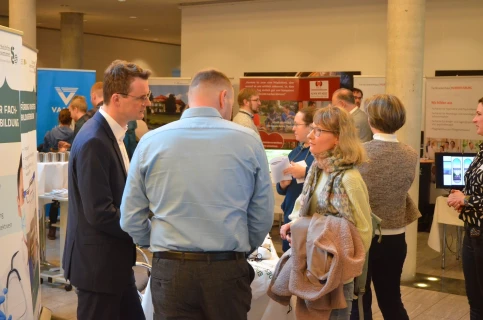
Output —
<point x="341" y="124"/>
<point x="346" y="95"/>
<point x="308" y="113"/>
<point x="385" y="112"/>
<point x="64" y="117"/>
<point x="119" y="76"/>
<point x="480" y="101"/>
<point x="79" y="102"/>
<point x="211" y="77"/>
<point x="246" y="93"/>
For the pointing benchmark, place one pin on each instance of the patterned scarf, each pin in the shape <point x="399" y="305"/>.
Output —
<point x="333" y="198"/>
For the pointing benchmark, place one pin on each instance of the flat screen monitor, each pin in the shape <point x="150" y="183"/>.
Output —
<point x="451" y="169"/>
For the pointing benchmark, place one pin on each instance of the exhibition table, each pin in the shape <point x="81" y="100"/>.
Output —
<point x="51" y="176"/>
<point x="443" y="215"/>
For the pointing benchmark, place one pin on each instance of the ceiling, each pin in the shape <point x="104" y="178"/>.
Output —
<point x="150" y="20"/>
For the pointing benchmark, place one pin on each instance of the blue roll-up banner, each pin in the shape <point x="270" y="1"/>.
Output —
<point x="55" y="90"/>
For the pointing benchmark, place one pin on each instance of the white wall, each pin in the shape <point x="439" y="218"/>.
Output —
<point x="100" y="51"/>
<point x="322" y="35"/>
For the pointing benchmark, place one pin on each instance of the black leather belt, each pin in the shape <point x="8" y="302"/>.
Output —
<point x="200" y="256"/>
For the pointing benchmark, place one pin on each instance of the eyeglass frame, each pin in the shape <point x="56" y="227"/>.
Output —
<point x="143" y="98"/>
<point x="318" y="131"/>
<point x="256" y="100"/>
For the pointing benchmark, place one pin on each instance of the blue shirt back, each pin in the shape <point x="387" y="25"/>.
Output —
<point x="207" y="182"/>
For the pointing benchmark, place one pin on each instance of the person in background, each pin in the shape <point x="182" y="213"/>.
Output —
<point x="470" y="148"/>
<point x="333" y="185"/>
<point x="291" y="189"/>
<point x="469" y="203"/>
<point x="344" y="98"/>
<point x="78" y="109"/>
<point x="200" y="240"/>
<point x="358" y="95"/>
<point x="141" y="129"/>
<point x="62" y="132"/>
<point x="98" y="254"/>
<point x="249" y="103"/>
<point x="97" y="98"/>
<point x="390" y="201"/>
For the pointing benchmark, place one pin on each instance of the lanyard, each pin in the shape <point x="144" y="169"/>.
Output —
<point x="301" y="149"/>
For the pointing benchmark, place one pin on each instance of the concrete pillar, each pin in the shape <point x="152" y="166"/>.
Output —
<point x="404" y="78"/>
<point x="22" y="16"/>
<point x="71" y="40"/>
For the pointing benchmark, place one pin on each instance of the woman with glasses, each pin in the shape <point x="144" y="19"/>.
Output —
<point x="301" y="159"/>
<point x="334" y="186"/>
<point x="388" y="174"/>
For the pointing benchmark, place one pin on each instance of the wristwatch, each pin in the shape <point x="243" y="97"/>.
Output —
<point x="465" y="200"/>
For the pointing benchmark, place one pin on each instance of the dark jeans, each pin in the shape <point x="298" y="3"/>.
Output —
<point x="386" y="261"/>
<point x="216" y="290"/>
<point x="123" y="306"/>
<point x="54" y="211"/>
<point x="473" y="272"/>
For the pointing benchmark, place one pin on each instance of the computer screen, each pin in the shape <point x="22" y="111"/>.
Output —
<point x="451" y="169"/>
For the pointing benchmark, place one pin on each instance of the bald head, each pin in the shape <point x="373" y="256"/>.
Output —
<point x="344" y="98"/>
<point x="212" y="88"/>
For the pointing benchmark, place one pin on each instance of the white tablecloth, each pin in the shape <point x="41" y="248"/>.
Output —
<point x="442" y="215"/>
<point x="51" y="175"/>
<point x="262" y="307"/>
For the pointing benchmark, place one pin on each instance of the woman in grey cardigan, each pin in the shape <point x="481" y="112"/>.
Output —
<point x="388" y="175"/>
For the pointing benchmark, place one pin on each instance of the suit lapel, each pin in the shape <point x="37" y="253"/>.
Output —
<point x="99" y="117"/>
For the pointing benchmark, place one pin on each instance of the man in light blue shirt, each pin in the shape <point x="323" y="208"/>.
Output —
<point x="207" y="182"/>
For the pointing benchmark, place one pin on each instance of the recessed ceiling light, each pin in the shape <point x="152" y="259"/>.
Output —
<point x="85" y="20"/>
<point x="432" y="279"/>
<point x="145" y="29"/>
<point x="422" y="285"/>
<point x="133" y="17"/>
<point x="121" y="0"/>
<point x="156" y="39"/>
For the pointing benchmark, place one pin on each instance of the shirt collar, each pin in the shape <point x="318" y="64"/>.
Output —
<point x="388" y="137"/>
<point x="353" y="110"/>
<point x="116" y="128"/>
<point x="201" y="112"/>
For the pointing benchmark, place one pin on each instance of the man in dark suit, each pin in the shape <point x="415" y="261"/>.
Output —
<point x="98" y="255"/>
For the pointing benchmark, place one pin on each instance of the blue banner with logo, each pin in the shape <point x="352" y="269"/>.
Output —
<point x="55" y="90"/>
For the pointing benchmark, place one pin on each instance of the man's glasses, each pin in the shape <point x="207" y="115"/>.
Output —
<point x="317" y="131"/>
<point x="255" y="100"/>
<point x="143" y="98"/>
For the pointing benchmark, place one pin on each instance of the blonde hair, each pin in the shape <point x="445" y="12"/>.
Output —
<point x="385" y="112"/>
<point x="79" y="102"/>
<point x="340" y="123"/>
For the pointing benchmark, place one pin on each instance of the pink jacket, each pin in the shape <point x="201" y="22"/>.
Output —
<point x="326" y="252"/>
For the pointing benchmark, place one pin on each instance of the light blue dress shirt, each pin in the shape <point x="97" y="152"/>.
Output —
<point x="207" y="182"/>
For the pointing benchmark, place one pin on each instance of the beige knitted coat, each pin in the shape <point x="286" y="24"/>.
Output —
<point x="326" y="252"/>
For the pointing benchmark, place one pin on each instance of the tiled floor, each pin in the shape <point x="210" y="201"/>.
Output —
<point x="421" y="304"/>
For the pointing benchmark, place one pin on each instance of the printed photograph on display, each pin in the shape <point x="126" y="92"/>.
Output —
<point x="275" y="119"/>
<point x="167" y="104"/>
<point x="431" y="146"/>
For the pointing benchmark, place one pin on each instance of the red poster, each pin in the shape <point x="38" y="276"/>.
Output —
<point x="281" y="99"/>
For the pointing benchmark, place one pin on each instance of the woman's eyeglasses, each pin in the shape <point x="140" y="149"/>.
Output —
<point x="317" y="131"/>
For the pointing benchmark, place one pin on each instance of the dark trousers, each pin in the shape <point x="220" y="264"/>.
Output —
<point x="473" y="272"/>
<point x="216" y="290"/>
<point x="386" y="261"/>
<point x="123" y="306"/>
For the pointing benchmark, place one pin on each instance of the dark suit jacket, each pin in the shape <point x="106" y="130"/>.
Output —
<point x="98" y="255"/>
